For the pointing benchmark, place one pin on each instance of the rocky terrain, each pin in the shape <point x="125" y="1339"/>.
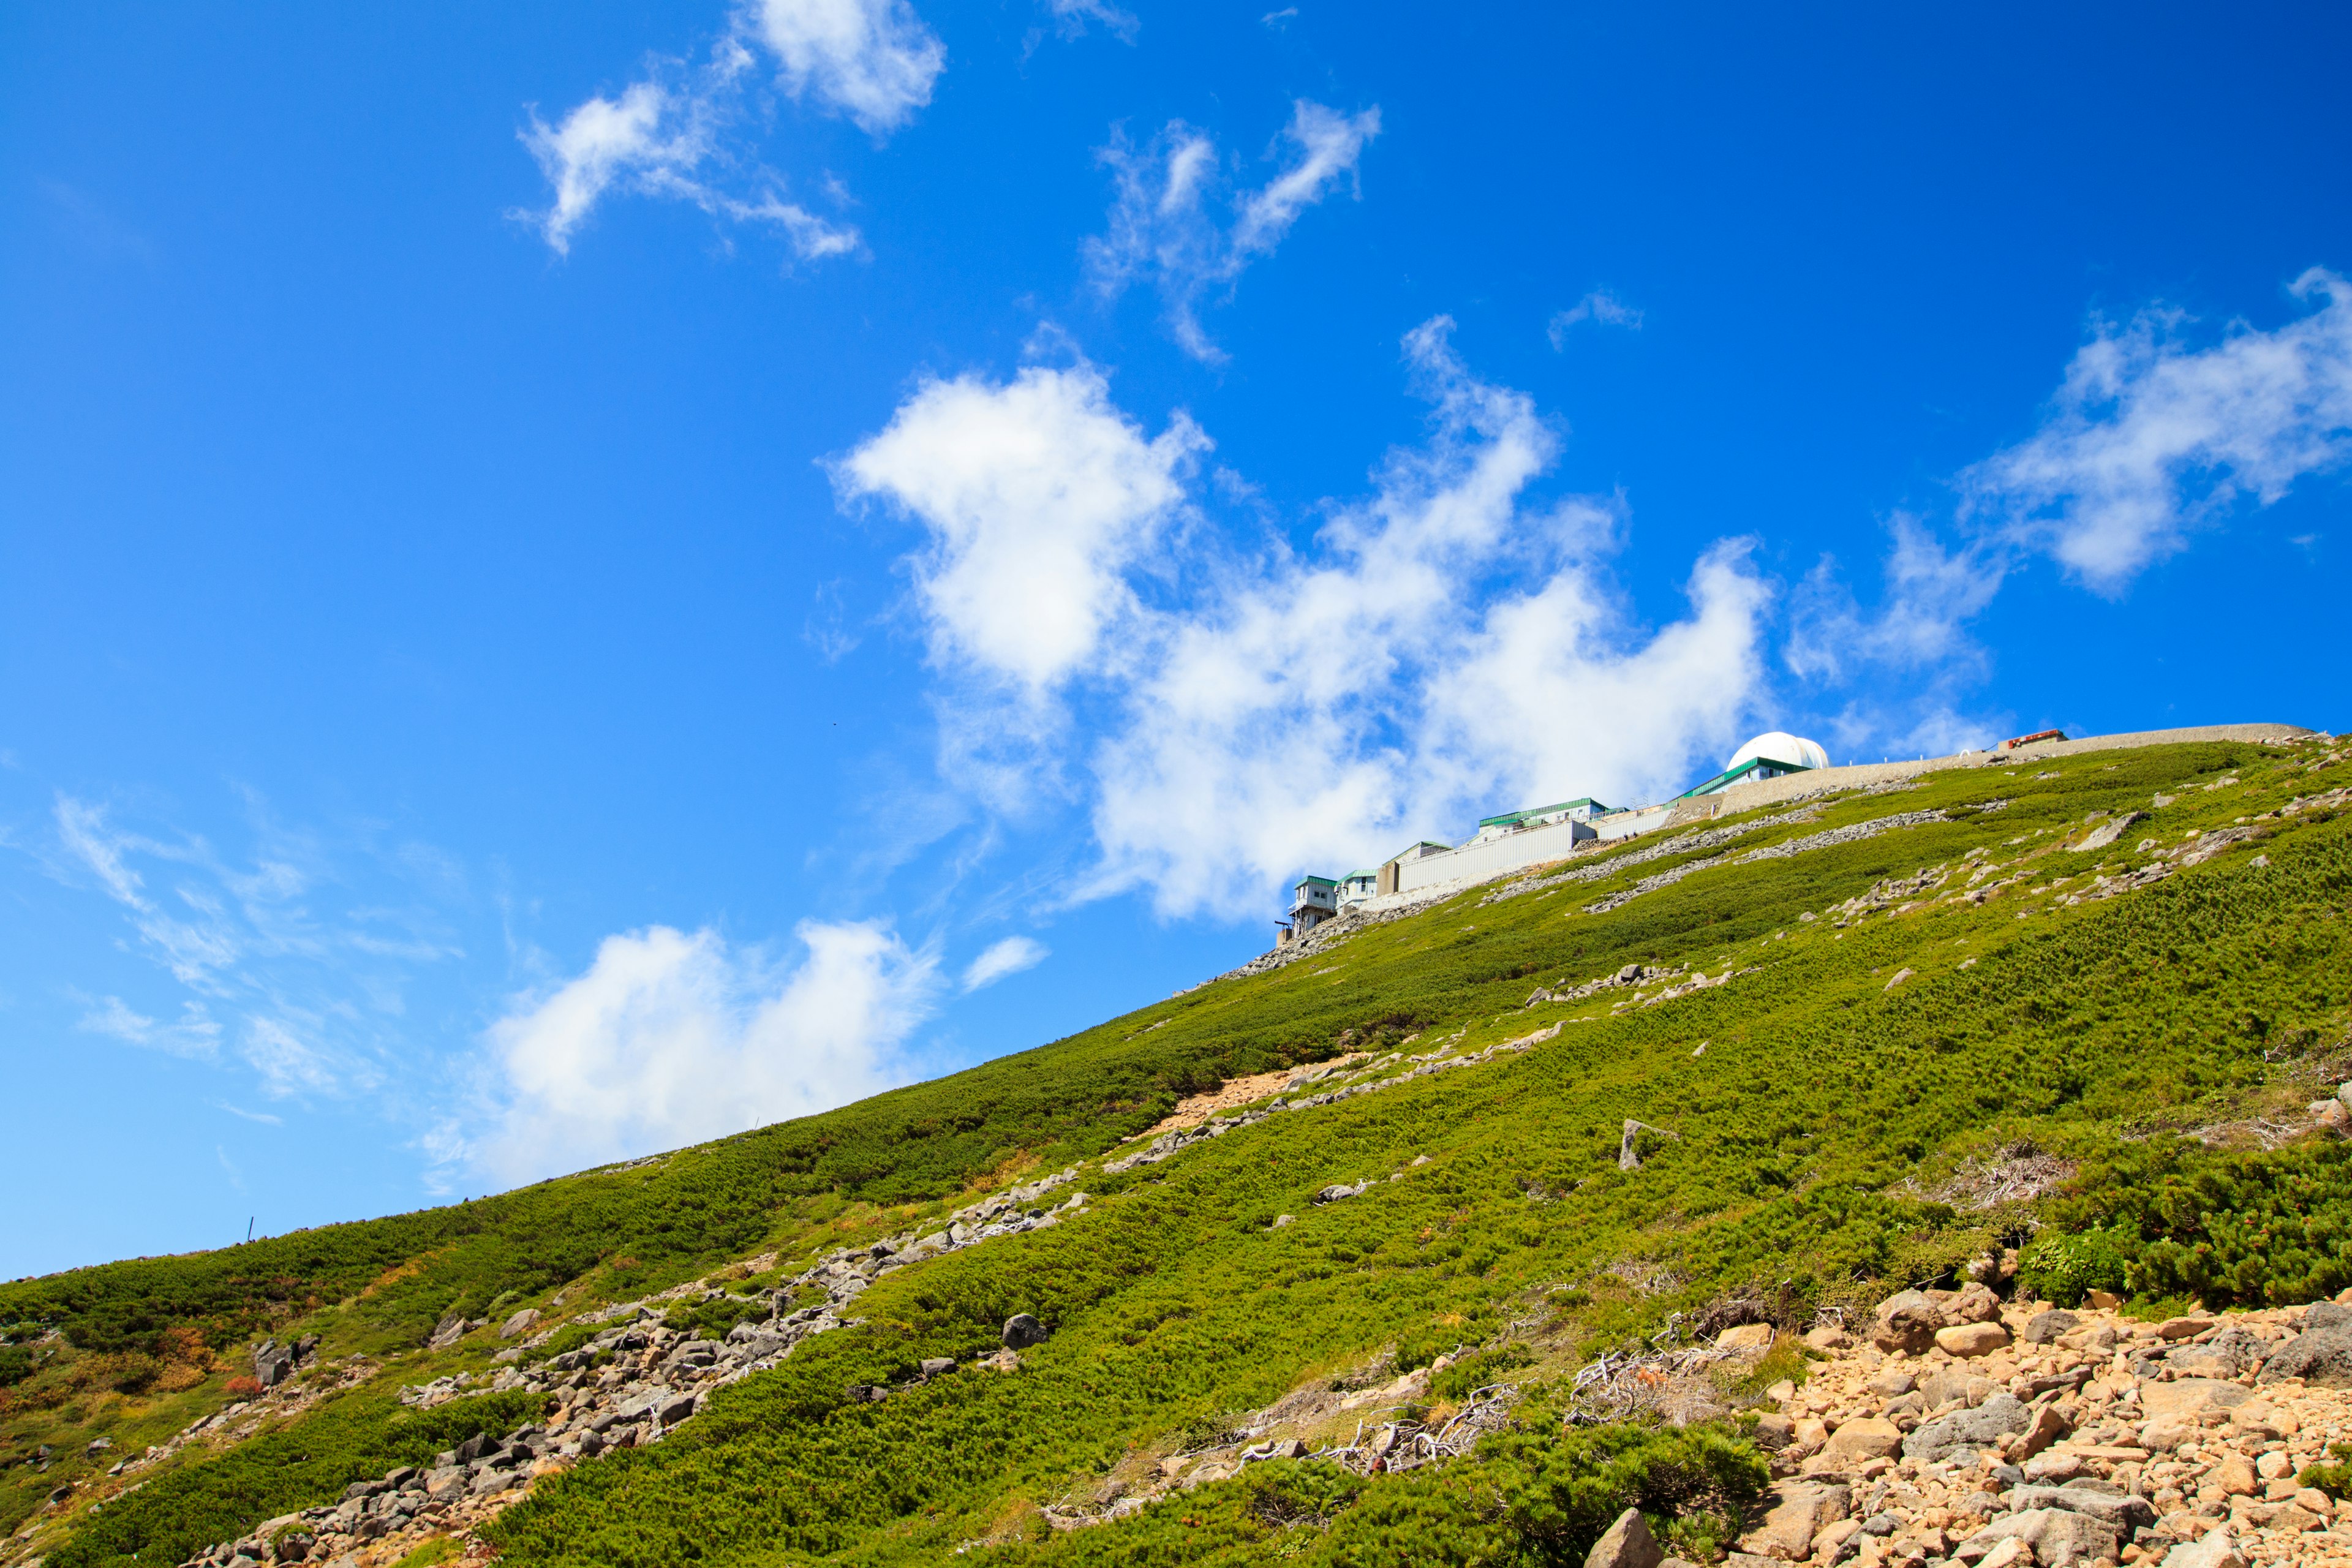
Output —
<point x="1958" y="1428"/>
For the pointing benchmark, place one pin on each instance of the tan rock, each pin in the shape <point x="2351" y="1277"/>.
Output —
<point x="1787" y="1529"/>
<point x="2217" y="1550"/>
<point x="1974" y="1304"/>
<point x="2048" y="1428"/>
<point x="1907" y="1321"/>
<point x="2007" y="1553"/>
<point x="2173" y="1330"/>
<point x="2101" y="1300"/>
<point x="1810" y="1431"/>
<point x="1627" y="1543"/>
<point x="1966" y="1340"/>
<point x="1827" y="1337"/>
<point x="2190" y="1396"/>
<point x="1865" y="1438"/>
<point x="2235" y="1477"/>
<point x="1747" y="1338"/>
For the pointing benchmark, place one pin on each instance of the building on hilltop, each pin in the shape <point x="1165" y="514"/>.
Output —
<point x="1769" y="756"/>
<point x="1421" y="850"/>
<point x="1313" y="900"/>
<point x="1581" y="810"/>
<point x="1358" y="886"/>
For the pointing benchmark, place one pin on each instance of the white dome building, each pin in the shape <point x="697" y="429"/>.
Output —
<point x="1779" y="746"/>
<point x="1767" y="756"/>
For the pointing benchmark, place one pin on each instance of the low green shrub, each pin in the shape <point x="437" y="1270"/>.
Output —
<point x="352" y="1437"/>
<point x="2062" y="1265"/>
<point x="712" y="1319"/>
<point x="2335" y="1479"/>
<point x="1533" y="1494"/>
<point x="2171" y="1219"/>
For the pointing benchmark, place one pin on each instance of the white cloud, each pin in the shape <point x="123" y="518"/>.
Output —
<point x="1602" y="308"/>
<point x="1931" y="593"/>
<point x="82" y="828"/>
<point x="2149" y="438"/>
<point x="1011" y="956"/>
<point x="195" y="1035"/>
<point x="1038" y="494"/>
<point x="873" y="60"/>
<point x="1445" y="645"/>
<point x="1071" y="18"/>
<point x="667" y="141"/>
<point x="306" y="1001"/>
<point x="668" y="1039"/>
<point x="682" y="135"/>
<point x="600" y="141"/>
<point x="1163" y="225"/>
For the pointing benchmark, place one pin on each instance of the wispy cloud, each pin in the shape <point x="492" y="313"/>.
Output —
<point x="263" y="1117"/>
<point x="1010" y="956"/>
<point x="2151" y="438"/>
<point x="1600" y="308"/>
<point x="687" y="131"/>
<point x="2156" y="432"/>
<point x="1446" y="643"/>
<point x="1071" y="17"/>
<point x="669" y="139"/>
<point x="1165" y="220"/>
<point x="668" y="1038"/>
<point x="304" y="1001"/>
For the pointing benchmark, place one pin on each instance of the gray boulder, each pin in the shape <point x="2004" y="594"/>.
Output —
<point x="1627" y="1543"/>
<point x="2322" y="1357"/>
<point x="2122" y="1510"/>
<point x="2044" y="1327"/>
<point x="2326" y="1315"/>
<point x="1965" y="1431"/>
<point x="2217" y="1550"/>
<point x="1022" y="1330"/>
<point x="2057" y="1535"/>
<point x="1907" y="1321"/>
<point x="2227" y="1354"/>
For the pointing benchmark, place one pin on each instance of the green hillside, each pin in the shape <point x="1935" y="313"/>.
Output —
<point x="1911" y="1022"/>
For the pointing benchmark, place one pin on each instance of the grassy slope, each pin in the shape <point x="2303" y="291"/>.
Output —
<point x="1819" y="1093"/>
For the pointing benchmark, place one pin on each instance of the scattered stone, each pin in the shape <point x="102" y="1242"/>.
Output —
<point x="1747" y="1338"/>
<point x="1865" y="1438"/>
<point x="1022" y="1330"/>
<point x="1970" y="1340"/>
<point x="2043" y="1328"/>
<point x="2322" y="1357"/>
<point x="1906" y="1320"/>
<point x="2217" y="1550"/>
<point x="1627" y="1543"/>
<point x="1800" y="1510"/>
<point x="1962" y="1434"/>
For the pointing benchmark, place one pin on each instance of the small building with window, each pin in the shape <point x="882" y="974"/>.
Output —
<point x="1313" y="900"/>
<point x="1358" y="886"/>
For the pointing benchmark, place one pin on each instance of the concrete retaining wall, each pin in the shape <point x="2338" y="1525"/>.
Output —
<point x="1772" y="792"/>
<point x="1474" y="863"/>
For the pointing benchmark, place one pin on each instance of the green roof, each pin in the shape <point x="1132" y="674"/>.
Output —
<point x="1353" y="876"/>
<point x="1542" y="811"/>
<point x="1730" y="777"/>
<point x="1315" y="882"/>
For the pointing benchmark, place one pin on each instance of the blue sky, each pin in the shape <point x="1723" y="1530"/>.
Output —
<point x="578" y="578"/>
